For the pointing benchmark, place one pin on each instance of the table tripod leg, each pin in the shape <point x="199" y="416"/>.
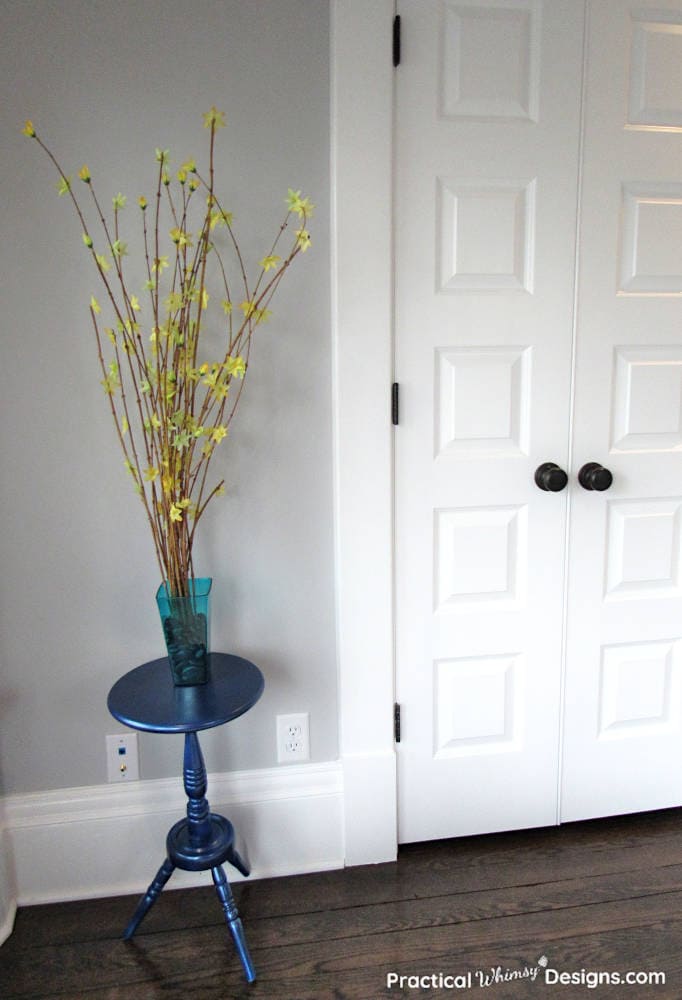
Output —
<point x="233" y="920"/>
<point x="150" y="897"/>
<point x="236" y="860"/>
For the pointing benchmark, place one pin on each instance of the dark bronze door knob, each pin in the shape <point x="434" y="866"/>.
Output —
<point x="594" y="476"/>
<point x="550" y="477"/>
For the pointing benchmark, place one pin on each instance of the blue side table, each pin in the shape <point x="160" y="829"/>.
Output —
<point x="146" y="699"/>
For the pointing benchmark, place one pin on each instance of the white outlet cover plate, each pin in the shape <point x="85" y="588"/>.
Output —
<point x="293" y="738"/>
<point x="123" y="761"/>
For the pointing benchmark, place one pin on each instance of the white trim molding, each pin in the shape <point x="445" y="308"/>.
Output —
<point x="108" y="840"/>
<point x="8" y="890"/>
<point x="362" y="296"/>
<point x="370" y="807"/>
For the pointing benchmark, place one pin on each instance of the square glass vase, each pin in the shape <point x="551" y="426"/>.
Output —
<point x="186" y="629"/>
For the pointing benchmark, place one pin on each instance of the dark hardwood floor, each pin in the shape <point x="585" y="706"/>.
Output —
<point x="582" y="899"/>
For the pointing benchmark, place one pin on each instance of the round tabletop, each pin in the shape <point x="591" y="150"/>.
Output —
<point x="146" y="698"/>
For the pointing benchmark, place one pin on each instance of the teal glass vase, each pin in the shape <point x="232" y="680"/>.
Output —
<point x="186" y="629"/>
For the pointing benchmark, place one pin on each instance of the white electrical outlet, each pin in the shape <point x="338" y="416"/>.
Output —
<point x="293" y="738"/>
<point x="123" y="762"/>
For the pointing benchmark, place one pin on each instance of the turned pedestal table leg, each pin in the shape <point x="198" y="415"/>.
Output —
<point x="149" y="898"/>
<point x="201" y="841"/>
<point x="233" y="920"/>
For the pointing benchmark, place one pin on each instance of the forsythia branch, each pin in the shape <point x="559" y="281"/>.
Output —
<point x="172" y="407"/>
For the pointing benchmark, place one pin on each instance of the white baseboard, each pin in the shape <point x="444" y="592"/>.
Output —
<point x="107" y="840"/>
<point x="7" y="923"/>
<point x="8" y="893"/>
<point x="370" y="815"/>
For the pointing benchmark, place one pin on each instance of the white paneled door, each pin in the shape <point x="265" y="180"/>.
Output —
<point x="538" y="320"/>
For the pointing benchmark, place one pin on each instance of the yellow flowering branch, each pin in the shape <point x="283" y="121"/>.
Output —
<point x="171" y="408"/>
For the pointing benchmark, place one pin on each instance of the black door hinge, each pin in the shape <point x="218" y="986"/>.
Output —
<point x="395" y="404"/>
<point x="396" y="722"/>
<point x="396" y="40"/>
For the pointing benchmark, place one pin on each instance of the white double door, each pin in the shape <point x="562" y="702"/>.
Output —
<point x="538" y="319"/>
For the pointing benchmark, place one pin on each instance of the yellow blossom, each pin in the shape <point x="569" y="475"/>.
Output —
<point x="214" y="118"/>
<point x="293" y="200"/>
<point x="301" y="206"/>
<point x="125" y="426"/>
<point x="181" y="440"/>
<point x="94" y="305"/>
<point x="134" y="302"/>
<point x="179" y="237"/>
<point x="175" y="512"/>
<point x="84" y="174"/>
<point x="272" y="260"/>
<point x="160" y="264"/>
<point x="150" y="473"/>
<point x="218" y="434"/>
<point x="29" y="130"/>
<point x="142" y="202"/>
<point x="221" y="218"/>
<point x="303" y="239"/>
<point x="236" y="366"/>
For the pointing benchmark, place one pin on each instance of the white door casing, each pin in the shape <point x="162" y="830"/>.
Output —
<point x="362" y="94"/>
<point x="490" y="158"/>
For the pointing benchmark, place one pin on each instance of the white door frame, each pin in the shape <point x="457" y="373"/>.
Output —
<point x="362" y="313"/>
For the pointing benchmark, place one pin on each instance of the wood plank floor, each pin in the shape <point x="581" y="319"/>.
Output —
<point x="585" y="898"/>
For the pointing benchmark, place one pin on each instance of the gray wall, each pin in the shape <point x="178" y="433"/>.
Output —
<point x="105" y="83"/>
